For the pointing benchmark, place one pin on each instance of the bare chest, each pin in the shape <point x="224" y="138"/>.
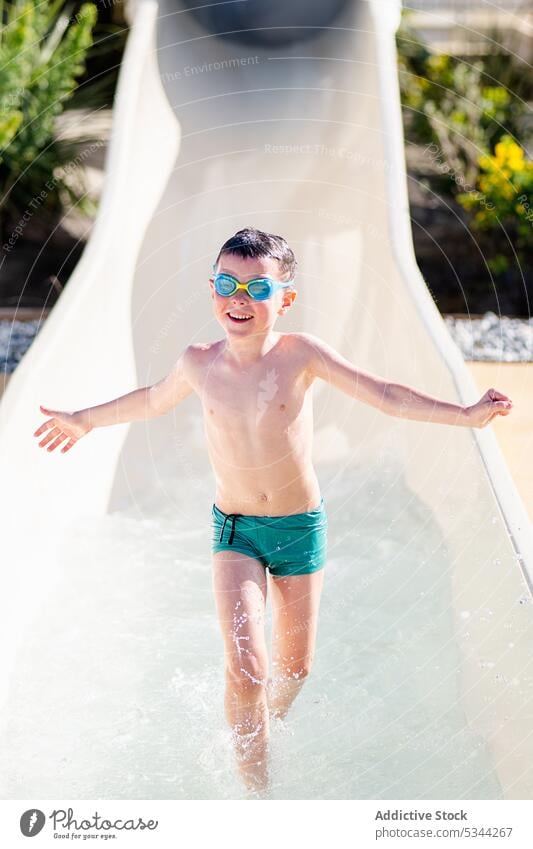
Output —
<point x="270" y="399"/>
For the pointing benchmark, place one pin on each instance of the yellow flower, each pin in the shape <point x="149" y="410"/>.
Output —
<point x="516" y="160"/>
<point x="507" y="151"/>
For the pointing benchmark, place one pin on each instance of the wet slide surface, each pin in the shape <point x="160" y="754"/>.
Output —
<point x="113" y="684"/>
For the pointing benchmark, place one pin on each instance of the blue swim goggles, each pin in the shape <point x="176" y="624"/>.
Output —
<point x="260" y="288"/>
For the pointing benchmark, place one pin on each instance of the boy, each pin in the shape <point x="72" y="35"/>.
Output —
<point x="255" y="387"/>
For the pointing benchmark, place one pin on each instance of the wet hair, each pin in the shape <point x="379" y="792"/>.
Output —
<point x="254" y="243"/>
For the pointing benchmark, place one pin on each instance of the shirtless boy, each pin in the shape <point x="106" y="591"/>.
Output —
<point x="255" y="386"/>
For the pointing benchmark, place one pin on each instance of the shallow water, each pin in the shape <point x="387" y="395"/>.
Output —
<point x="118" y="691"/>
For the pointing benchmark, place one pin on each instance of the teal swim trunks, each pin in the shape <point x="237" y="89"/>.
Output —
<point x="295" y="544"/>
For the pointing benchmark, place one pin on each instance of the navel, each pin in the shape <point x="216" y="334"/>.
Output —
<point x="282" y="406"/>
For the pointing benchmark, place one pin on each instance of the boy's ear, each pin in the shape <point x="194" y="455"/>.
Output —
<point x="289" y="298"/>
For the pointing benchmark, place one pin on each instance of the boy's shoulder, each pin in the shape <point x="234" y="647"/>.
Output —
<point x="306" y="343"/>
<point x="304" y="339"/>
<point x="312" y="351"/>
<point x="200" y="350"/>
<point x="197" y="356"/>
<point x="303" y="349"/>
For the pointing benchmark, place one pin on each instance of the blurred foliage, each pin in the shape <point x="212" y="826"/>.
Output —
<point x="470" y="116"/>
<point x="96" y="87"/>
<point x="503" y="199"/>
<point x="42" y="53"/>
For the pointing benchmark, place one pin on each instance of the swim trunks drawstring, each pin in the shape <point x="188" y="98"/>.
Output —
<point x="233" y="516"/>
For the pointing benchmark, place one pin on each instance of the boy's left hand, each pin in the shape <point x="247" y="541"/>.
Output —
<point x="493" y="403"/>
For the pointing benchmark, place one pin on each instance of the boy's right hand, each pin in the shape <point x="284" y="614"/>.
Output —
<point x="62" y="425"/>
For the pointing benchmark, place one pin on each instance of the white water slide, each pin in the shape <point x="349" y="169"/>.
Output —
<point x="112" y="666"/>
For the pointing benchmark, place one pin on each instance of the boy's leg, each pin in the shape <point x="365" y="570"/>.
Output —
<point x="239" y="583"/>
<point x="295" y="605"/>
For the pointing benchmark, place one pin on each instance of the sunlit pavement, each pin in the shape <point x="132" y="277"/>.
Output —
<point x="515" y="431"/>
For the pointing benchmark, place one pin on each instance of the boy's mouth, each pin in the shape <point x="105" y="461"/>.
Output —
<point x="242" y="317"/>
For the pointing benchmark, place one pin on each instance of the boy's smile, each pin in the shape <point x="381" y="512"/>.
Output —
<point x="236" y="316"/>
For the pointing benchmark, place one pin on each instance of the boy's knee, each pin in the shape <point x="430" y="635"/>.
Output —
<point x="295" y="669"/>
<point x="245" y="675"/>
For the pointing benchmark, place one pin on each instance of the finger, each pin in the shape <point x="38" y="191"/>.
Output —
<point x="495" y="395"/>
<point x="499" y="412"/>
<point x="68" y="446"/>
<point x="61" y="438"/>
<point x="49" y="436"/>
<point x="499" y="405"/>
<point x="44" y="427"/>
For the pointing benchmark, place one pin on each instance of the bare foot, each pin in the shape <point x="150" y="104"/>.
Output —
<point x="255" y="776"/>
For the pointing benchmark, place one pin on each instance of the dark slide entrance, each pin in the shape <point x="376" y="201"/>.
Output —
<point x="267" y="22"/>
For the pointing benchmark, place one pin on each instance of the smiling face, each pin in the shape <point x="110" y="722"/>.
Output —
<point x="256" y="316"/>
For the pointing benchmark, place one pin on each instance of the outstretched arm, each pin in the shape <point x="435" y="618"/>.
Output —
<point x="144" y="403"/>
<point x="396" y="399"/>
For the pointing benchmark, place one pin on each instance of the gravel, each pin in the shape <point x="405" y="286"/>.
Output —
<point x="492" y="338"/>
<point x="15" y="339"/>
<point x="488" y="337"/>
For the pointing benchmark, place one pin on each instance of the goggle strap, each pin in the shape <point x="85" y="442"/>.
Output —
<point x="284" y="282"/>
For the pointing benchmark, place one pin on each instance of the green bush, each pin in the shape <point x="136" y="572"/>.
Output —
<point x="42" y="54"/>
<point x="470" y="116"/>
<point x="503" y="199"/>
